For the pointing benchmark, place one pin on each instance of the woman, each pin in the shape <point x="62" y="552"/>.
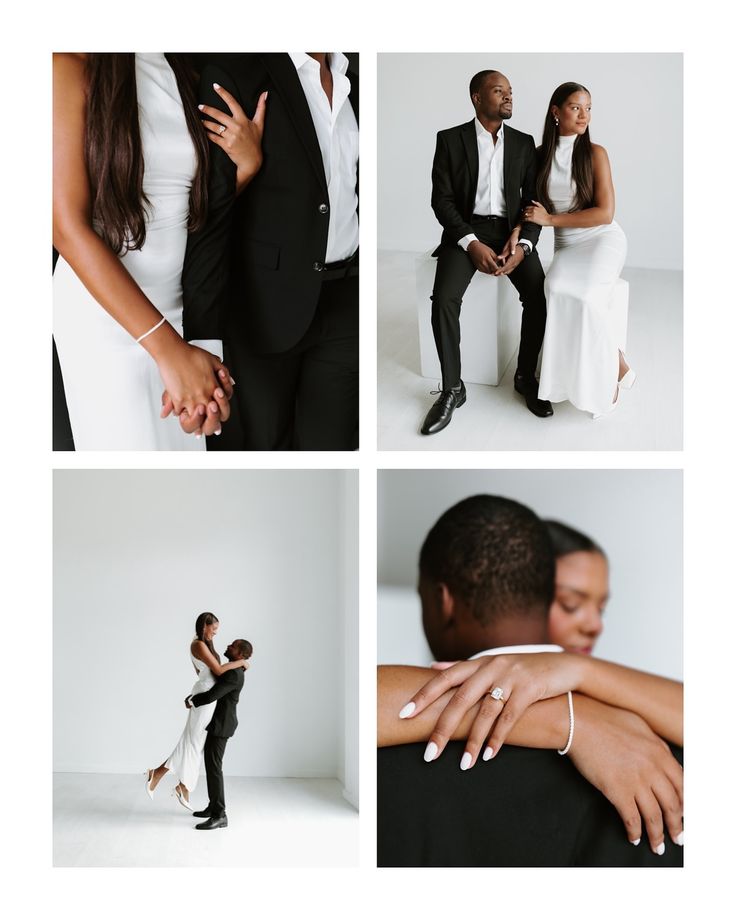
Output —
<point x="575" y="622"/>
<point x="581" y="361"/>
<point x="185" y="760"/>
<point x="130" y="183"/>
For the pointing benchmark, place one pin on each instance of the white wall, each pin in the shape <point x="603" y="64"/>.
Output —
<point x="139" y="553"/>
<point x="635" y="515"/>
<point x="637" y="117"/>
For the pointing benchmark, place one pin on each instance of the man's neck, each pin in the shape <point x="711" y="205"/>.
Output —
<point x="493" y="127"/>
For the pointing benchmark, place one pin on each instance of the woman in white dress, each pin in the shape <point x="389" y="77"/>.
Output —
<point x="130" y="183"/>
<point x="581" y="361"/>
<point x="184" y="762"/>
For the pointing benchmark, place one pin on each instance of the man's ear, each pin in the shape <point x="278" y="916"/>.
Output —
<point x="446" y="601"/>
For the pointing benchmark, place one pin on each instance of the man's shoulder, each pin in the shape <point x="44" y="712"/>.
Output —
<point x="455" y="130"/>
<point x="519" y="135"/>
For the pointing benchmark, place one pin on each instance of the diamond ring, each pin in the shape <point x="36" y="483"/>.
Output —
<point x="497" y="694"/>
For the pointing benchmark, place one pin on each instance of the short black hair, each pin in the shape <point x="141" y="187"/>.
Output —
<point x="495" y="554"/>
<point x="566" y="540"/>
<point x="243" y="647"/>
<point x="478" y="80"/>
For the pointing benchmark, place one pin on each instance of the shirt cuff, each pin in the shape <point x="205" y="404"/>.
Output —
<point x="213" y="346"/>
<point x="466" y="241"/>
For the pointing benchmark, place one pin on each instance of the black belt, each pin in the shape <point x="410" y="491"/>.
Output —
<point x="477" y="217"/>
<point x="331" y="271"/>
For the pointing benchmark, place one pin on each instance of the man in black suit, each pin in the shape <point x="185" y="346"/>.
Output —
<point x="222" y="726"/>
<point x="484" y="173"/>
<point x="281" y="259"/>
<point x="486" y="580"/>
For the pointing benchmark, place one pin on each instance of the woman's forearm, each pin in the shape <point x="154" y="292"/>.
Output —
<point x="589" y="217"/>
<point x="545" y="724"/>
<point x="658" y="700"/>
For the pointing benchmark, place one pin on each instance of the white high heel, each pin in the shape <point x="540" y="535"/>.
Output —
<point x="182" y="801"/>
<point x="149" y="776"/>
<point x="611" y="408"/>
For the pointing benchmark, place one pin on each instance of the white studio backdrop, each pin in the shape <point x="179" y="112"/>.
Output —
<point x="637" y="117"/>
<point x="138" y="554"/>
<point x="634" y="515"/>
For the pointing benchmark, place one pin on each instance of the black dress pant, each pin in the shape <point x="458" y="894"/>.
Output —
<point x="455" y="270"/>
<point x="214" y="751"/>
<point x="305" y="398"/>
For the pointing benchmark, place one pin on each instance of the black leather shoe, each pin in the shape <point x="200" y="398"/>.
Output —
<point x="440" y="414"/>
<point x="529" y="388"/>
<point x="212" y="823"/>
<point x="201" y="814"/>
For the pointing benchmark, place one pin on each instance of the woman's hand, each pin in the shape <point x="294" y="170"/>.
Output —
<point x="524" y="679"/>
<point x="510" y="248"/>
<point x="537" y="214"/>
<point x="198" y="387"/>
<point x="239" y="136"/>
<point x="617" y="752"/>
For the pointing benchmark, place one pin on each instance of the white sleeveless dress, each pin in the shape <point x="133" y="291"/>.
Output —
<point x="580" y="357"/>
<point x="112" y="385"/>
<point x="186" y="758"/>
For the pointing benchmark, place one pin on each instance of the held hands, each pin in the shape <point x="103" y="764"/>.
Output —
<point x="239" y="136"/>
<point x="511" y="254"/>
<point x="524" y="679"/>
<point x="198" y="388"/>
<point x="483" y="257"/>
<point x="536" y="213"/>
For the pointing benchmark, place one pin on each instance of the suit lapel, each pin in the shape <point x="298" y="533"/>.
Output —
<point x="509" y="153"/>
<point x="284" y="75"/>
<point x="470" y="143"/>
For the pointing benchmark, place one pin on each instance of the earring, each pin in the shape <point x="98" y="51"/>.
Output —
<point x="557" y="120"/>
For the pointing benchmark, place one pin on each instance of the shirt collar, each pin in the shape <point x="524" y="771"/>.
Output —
<point x="518" y="650"/>
<point x="338" y="61"/>
<point x="480" y="131"/>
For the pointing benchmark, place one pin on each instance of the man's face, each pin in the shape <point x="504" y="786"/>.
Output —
<point x="232" y="652"/>
<point x="494" y="100"/>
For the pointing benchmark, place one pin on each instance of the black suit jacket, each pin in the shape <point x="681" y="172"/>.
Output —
<point x="257" y="259"/>
<point x="455" y="180"/>
<point x="226" y="691"/>
<point x="523" y="808"/>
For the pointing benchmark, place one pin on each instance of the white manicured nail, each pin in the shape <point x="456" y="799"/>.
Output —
<point x="198" y="436"/>
<point x="637" y="841"/>
<point x="407" y="710"/>
<point x="216" y="85"/>
<point x="219" y="432"/>
<point x="466" y="761"/>
<point x="660" y="849"/>
<point x="488" y="753"/>
<point x="680" y="839"/>
<point x="200" y="107"/>
<point x="430" y="752"/>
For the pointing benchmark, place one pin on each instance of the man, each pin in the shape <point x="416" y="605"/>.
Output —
<point x="484" y="173"/>
<point x="222" y="726"/>
<point x="486" y="582"/>
<point x="281" y="259"/>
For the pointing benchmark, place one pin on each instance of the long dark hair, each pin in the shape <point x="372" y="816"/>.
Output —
<point x="566" y="540"/>
<point x="582" y="154"/>
<point x="114" y="153"/>
<point x="206" y="619"/>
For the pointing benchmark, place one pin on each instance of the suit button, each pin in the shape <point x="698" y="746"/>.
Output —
<point x="323" y="209"/>
<point x="318" y="266"/>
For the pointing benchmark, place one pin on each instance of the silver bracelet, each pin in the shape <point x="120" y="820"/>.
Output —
<point x="572" y="725"/>
<point x="152" y="329"/>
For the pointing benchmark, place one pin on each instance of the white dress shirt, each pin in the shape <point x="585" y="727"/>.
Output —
<point x="518" y="650"/>
<point x="490" y="194"/>
<point x="337" y="134"/>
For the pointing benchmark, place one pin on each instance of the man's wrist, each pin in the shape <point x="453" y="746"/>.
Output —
<point x="467" y="240"/>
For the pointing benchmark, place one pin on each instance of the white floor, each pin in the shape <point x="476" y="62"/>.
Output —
<point x="108" y="820"/>
<point x="495" y="418"/>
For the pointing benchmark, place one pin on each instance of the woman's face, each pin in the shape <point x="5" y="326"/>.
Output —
<point x="210" y="631"/>
<point x="573" y="114"/>
<point x="581" y="594"/>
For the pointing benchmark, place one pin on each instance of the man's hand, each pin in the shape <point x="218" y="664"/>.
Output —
<point x="206" y="419"/>
<point x="617" y="752"/>
<point x="511" y="262"/>
<point x="483" y="257"/>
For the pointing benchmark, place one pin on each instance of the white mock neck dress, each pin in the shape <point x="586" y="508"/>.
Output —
<point x="580" y="357"/>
